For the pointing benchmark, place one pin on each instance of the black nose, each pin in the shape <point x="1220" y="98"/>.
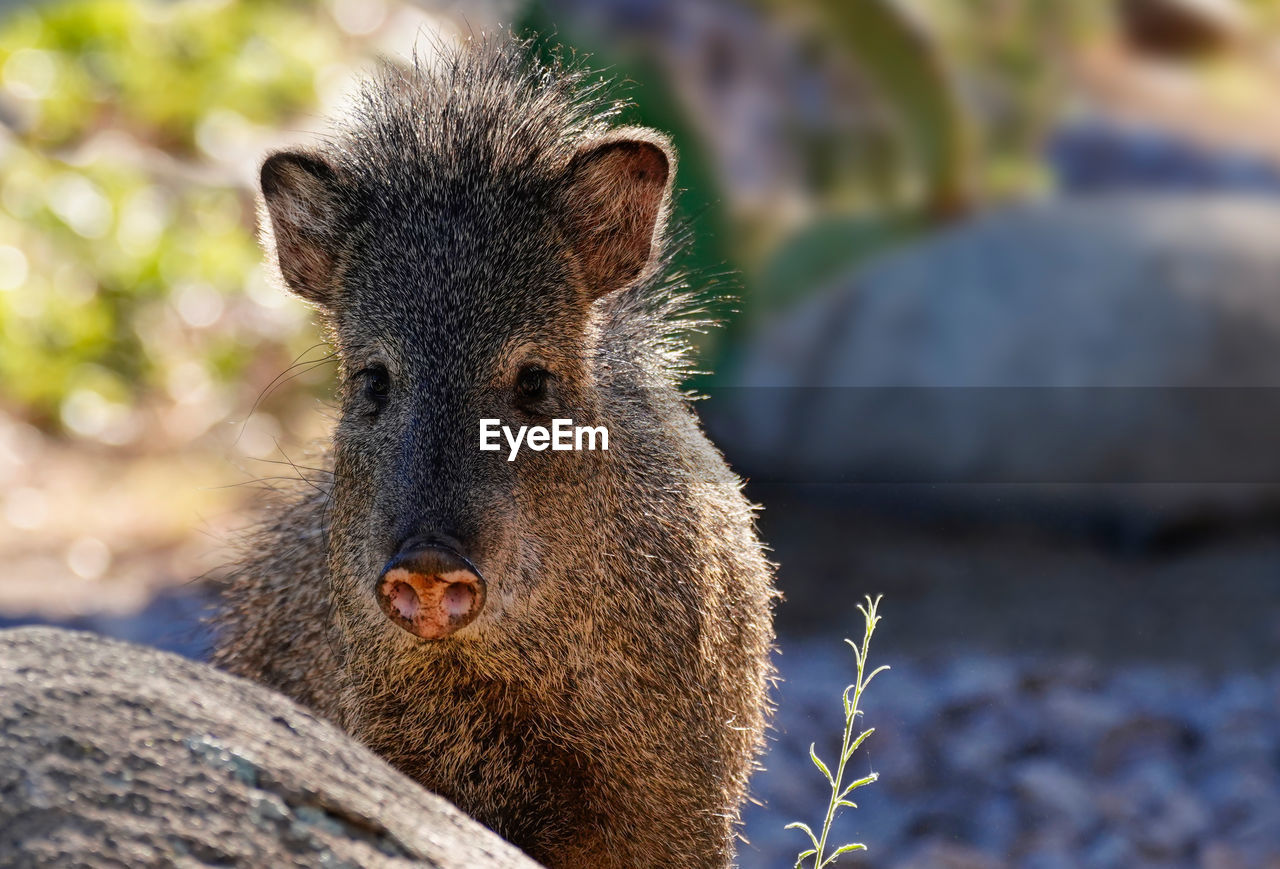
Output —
<point x="430" y="589"/>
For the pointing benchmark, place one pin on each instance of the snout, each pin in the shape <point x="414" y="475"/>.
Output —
<point x="431" y="591"/>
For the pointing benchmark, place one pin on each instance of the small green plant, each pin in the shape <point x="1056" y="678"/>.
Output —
<point x="840" y="792"/>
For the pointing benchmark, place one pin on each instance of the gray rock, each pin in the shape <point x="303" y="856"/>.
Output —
<point x="1241" y="739"/>
<point x="112" y="754"/>
<point x="1047" y="859"/>
<point x="1056" y="798"/>
<point x="969" y="682"/>
<point x="1137" y="739"/>
<point x="992" y="353"/>
<point x="938" y="854"/>
<point x="898" y="760"/>
<point x="1260" y="832"/>
<point x="1080" y="719"/>
<point x="976" y="748"/>
<point x="1111" y="850"/>
<point x="1174" y="830"/>
<point x="1164" y="816"/>
<point x="1240" y="794"/>
<point x="1220" y="855"/>
<point x="995" y="824"/>
<point x="1163" y="691"/>
<point x="1243" y="693"/>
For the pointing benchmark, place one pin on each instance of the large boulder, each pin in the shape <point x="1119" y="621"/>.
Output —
<point x="1098" y="341"/>
<point x="117" y="755"/>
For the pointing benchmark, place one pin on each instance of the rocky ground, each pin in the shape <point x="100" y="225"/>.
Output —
<point x="991" y="761"/>
<point x="1062" y="694"/>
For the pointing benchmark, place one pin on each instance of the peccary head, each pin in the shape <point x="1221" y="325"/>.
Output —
<point x="462" y="237"/>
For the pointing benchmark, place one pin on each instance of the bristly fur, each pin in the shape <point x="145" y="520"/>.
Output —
<point x="475" y="217"/>
<point x="499" y="106"/>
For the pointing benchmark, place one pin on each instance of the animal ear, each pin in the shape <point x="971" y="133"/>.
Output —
<point x="618" y="197"/>
<point x="304" y="205"/>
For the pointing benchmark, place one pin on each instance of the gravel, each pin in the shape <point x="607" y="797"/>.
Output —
<point x="991" y="761"/>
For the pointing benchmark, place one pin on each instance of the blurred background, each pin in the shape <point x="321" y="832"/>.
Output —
<point x="1004" y="346"/>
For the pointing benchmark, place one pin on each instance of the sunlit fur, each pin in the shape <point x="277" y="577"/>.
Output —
<point x="608" y="705"/>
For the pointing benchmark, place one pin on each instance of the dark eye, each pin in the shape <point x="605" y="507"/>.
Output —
<point x="376" y="385"/>
<point x="531" y="383"/>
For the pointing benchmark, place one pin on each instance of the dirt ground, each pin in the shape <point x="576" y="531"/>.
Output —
<point x="1041" y="582"/>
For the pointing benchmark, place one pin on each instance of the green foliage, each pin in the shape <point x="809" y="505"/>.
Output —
<point x="125" y="248"/>
<point x="699" y="208"/>
<point x="121" y="209"/>
<point x="826" y="250"/>
<point x="971" y="85"/>
<point x="840" y="791"/>
<point x="1010" y="57"/>
<point x="104" y="248"/>
<point x="929" y="150"/>
<point x="908" y="69"/>
<point x="158" y="69"/>
<point x="1004" y="56"/>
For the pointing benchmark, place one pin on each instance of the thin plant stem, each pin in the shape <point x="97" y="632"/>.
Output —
<point x="849" y="745"/>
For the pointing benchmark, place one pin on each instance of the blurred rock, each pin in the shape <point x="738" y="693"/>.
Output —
<point x="1047" y="858"/>
<point x="1257" y="834"/>
<point x="975" y="748"/>
<point x="1111" y="850"/>
<point x="995" y="825"/>
<point x="1138" y="738"/>
<point x="1172" y="691"/>
<point x="1095" y="342"/>
<point x="948" y="855"/>
<point x="1217" y="855"/>
<point x="898" y="760"/>
<point x="171" y="621"/>
<point x="1165" y="816"/>
<point x="975" y="681"/>
<point x="1097" y="155"/>
<point x="1056" y="797"/>
<point x="1080" y="719"/>
<point x="1240" y="795"/>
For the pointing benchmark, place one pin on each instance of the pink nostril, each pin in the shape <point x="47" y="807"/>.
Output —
<point x="459" y="600"/>
<point x="428" y="603"/>
<point x="402" y="596"/>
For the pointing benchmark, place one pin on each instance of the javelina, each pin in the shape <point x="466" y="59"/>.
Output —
<point x="572" y="646"/>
